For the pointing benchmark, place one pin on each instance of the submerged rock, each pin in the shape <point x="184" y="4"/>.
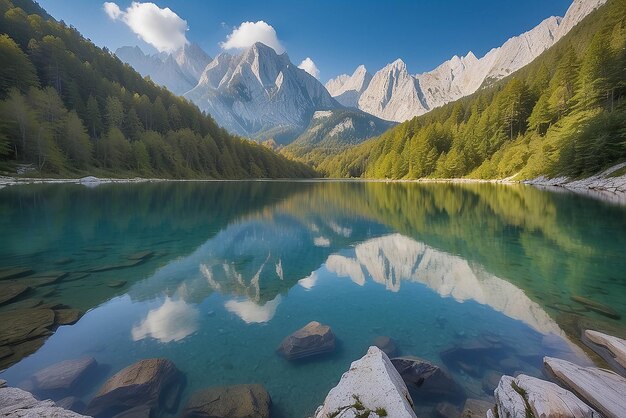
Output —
<point x="141" y="255"/>
<point x="239" y="401"/>
<point x="117" y="284"/>
<point x="63" y="376"/>
<point x="427" y="379"/>
<point x="525" y="396"/>
<point x="10" y="291"/>
<point x="446" y="410"/>
<point x="603" y="389"/>
<point x="476" y="408"/>
<point x="25" y="324"/>
<point x="72" y="403"/>
<point x="371" y="385"/>
<point x="67" y="316"/>
<point x="15" y="272"/>
<point x="387" y="344"/>
<point x="597" y="307"/>
<point x="16" y="403"/>
<point x="151" y="382"/>
<point x="310" y="340"/>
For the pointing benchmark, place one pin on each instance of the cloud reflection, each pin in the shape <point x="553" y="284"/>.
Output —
<point x="172" y="321"/>
<point x="251" y="312"/>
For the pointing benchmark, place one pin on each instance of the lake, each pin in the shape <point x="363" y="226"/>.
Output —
<point x="213" y="276"/>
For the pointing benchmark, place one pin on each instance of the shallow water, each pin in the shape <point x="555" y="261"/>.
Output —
<point x="235" y="267"/>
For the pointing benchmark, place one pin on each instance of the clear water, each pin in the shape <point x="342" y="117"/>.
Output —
<point x="238" y="266"/>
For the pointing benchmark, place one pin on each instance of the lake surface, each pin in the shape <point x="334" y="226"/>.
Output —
<point x="232" y="268"/>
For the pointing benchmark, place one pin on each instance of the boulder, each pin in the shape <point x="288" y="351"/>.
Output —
<point x="371" y="385"/>
<point x="490" y="381"/>
<point x="150" y="382"/>
<point x="475" y="408"/>
<point x="597" y="307"/>
<point x="615" y="346"/>
<point x="525" y="396"/>
<point x="387" y="344"/>
<point x="313" y="339"/>
<point x="602" y="389"/>
<point x="239" y="401"/>
<point x="17" y="403"/>
<point x="425" y="378"/>
<point x="63" y="376"/>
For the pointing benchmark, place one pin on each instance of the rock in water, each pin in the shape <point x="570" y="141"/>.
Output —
<point x="72" y="403"/>
<point x="616" y="346"/>
<point x="427" y="379"/>
<point x="597" y="307"/>
<point x="24" y="324"/>
<point x="63" y="376"/>
<point x="10" y="291"/>
<point x="15" y="272"/>
<point x="67" y="316"/>
<point x="16" y="402"/>
<point x="602" y="389"/>
<point x="371" y="385"/>
<point x="475" y="408"/>
<point x="149" y="382"/>
<point x="240" y="401"/>
<point x="313" y="339"/>
<point x="387" y="344"/>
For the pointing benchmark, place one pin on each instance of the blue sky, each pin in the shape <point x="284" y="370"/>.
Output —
<point x="337" y="35"/>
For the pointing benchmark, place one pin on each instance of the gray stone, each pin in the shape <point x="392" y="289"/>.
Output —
<point x="615" y="346"/>
<point x="67" y="316"/>
<point x="602" y="389"/>
<point x="313" y="339"/>
<point x="150" y="382"/>
<point x="426" y="378"/>
<point x="17" y="403"/>
<point x="72" y="403"/>
<point x="240" y="401"/>
<point x="370" y="385"/>
<point x="63" y="376"/>
<point x="24" y="324"/>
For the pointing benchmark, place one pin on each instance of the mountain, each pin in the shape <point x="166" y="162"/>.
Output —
<point x="394" y="94"/>
<point x="333" y="130"/>
<point x="347" y="89"/>
<point x="179" y="72"/>
<point x="260" y="94"/>
<point x="70" y="108"/>
<point x="564" y="114"/>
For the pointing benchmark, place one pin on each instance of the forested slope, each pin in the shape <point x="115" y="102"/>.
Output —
<point x="69" y="107"/>
<point x="565" y="113"/>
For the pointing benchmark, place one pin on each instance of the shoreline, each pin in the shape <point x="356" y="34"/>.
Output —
<point x="601" y="186"/>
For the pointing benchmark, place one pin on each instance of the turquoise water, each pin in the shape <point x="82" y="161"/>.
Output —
<point x="237" y="266"/>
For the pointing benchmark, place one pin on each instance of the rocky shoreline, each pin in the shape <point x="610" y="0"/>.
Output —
<point x="374" y="386"/>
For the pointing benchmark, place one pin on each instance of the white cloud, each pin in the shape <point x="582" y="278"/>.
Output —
<point x="112" y="10"/>
<point x="248" y="33"/>
<point x="161" y="28"/>
<point x="309" y="66"/>
<point x="321" y="242"/>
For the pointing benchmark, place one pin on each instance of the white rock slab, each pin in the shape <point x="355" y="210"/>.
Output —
<point x="615" y="345"/>
<point x="375" y="383"/>
<point x="509" y="402"/>
<point x="17" y="403"/>
<point x="549" y="400"/>
<point x="602" y="389"/>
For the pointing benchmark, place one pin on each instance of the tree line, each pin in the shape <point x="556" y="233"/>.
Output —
<point x="564" y="113"/>
<point x="67" y="106"/>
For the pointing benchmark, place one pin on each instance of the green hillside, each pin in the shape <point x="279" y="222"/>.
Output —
<point x="334" y="130"/>
<point x="565" y="113"/>
<point x="68" y="107"/>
